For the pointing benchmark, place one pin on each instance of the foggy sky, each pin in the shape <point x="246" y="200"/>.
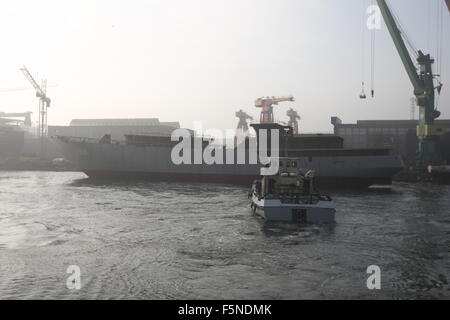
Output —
<point x="181" y="60"/>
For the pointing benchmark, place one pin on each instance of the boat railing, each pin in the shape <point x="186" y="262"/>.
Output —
<point x="299" y="198"/>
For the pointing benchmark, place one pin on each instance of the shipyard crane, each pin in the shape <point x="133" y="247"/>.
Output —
<point x="422" y="79"/>
<point x="4" y="117"/>
<point x="267" y="106"/>
<point x="293" y="117"/>
<point x="44" y="101"/>
<point x="21" y="88"/>
<point x="243" y="117"/>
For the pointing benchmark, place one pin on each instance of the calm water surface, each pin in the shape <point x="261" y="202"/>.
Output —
<point x="200" y="241"/>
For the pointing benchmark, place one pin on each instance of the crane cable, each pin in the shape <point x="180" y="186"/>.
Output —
<point x="428" y="37"/>
<point x="363" y="51"/>
<point x="439" y="46"/>
<point x="410" y="44"/>
<point x="439" y="35"/>
<point x="372" y="55"/>
<point x="372" y="60"/>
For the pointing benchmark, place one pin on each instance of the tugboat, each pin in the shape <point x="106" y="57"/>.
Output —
<point x="290" y="196"/>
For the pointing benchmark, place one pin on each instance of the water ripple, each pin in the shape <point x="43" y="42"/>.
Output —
<point x="192" y="241"/>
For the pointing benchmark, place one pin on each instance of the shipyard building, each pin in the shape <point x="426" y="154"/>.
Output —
<point x="21" y="141"/>
<point x="399" y="135"/>
<point x="117" y="128"/>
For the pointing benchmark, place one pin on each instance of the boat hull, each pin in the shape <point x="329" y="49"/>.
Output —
<point x="274" y="210"/>
<point x="153" y="163"/>
<point x="321" y="182"/>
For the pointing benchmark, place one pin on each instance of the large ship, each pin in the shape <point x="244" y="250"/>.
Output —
<point x="148" y="157"/>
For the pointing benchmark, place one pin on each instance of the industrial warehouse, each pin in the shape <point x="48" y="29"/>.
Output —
<point x="398" y="135"/>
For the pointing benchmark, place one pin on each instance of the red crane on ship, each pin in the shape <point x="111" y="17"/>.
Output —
<point x="267" y="107"/>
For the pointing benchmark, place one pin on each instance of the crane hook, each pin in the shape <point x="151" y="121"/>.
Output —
<point x="363" y="94"/>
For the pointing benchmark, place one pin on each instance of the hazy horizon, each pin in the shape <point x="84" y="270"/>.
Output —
<point x="203" y="60"/>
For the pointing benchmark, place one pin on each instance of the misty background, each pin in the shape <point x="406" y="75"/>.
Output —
<point x="203" y="60"/>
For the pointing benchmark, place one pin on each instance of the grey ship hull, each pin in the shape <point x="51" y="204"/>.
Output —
<point x="122" y="161"/>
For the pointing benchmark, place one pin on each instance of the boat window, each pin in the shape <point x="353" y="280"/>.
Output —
<point x="294" y="164"/>
<point x="288" y="164"/>
<point x="281" y="164"/>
